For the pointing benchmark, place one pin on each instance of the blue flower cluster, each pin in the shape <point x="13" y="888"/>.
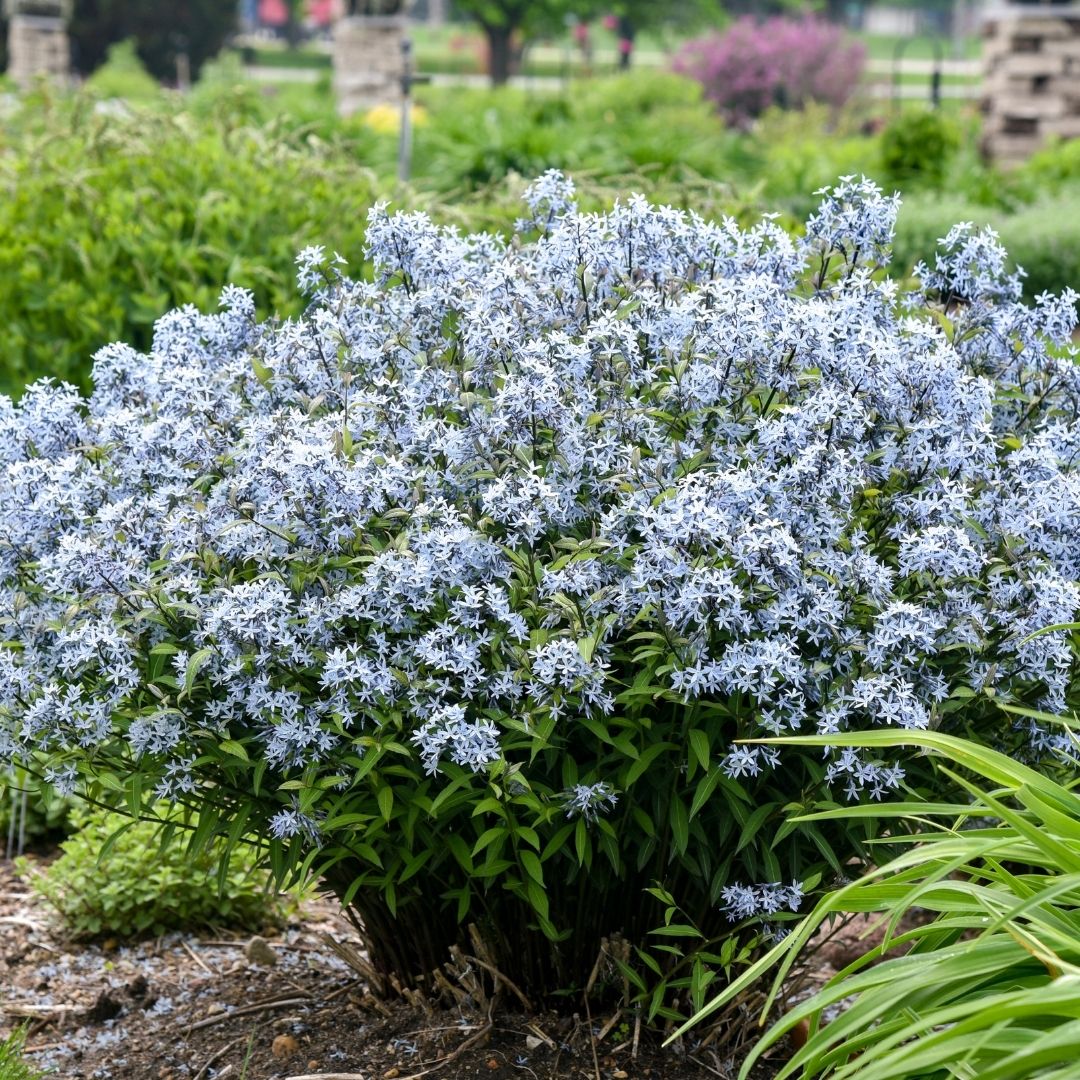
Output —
<point x="454" y="497"/>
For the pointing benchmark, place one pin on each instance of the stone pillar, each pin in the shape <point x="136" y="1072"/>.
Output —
<point x="37" y="40"/>
<point x="1031" y="84"/>
<point x="368" y="63"/>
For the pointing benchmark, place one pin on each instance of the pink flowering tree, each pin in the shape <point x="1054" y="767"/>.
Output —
<point x="781" y="61"/>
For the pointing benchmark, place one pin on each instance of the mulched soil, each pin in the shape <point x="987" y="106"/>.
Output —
<point x="210" y="1007"/>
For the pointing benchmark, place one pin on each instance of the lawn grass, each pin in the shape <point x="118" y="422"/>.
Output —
<point x="306" y="57"/>
<point x="919" y="47"/>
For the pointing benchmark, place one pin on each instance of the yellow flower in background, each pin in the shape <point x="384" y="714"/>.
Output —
<point x="386" y="119"/>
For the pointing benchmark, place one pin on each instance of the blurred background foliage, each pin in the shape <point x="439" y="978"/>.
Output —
<point x="124" y="199"/>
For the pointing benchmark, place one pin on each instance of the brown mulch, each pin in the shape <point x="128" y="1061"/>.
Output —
<point x="202" y="1007"/>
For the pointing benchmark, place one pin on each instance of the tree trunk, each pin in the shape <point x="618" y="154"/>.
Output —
<point x="500" y="53"/>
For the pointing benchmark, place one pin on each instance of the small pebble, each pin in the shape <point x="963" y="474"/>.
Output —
<point x="284" y="1046"/>
<point x="259" y="952"/>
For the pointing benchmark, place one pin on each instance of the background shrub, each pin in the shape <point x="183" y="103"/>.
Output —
<point x="110" y="219"/>
<point x="797" y="153"/>
<point x="653" y="122"/>
<point x="1054" y="167"/>
<point x="918" y="148"/>
<point x="123" y="76"/>
<point x="167" y="197"/>
<point x="781" y="61"/>
<point x="128" y="879"/>
<point x="1043" y="238"/>
<point x="161" y="31"/>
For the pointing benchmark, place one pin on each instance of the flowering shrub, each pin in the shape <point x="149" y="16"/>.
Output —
<point x="460" y="588"/>
<point x="782" y="61"/>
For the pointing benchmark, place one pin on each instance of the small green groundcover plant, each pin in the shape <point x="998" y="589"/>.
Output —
<point x="462" y="588"/>
<point x="989" y="984"/>
<point x="12" y="1065"/>
<point x="122" y="878"/>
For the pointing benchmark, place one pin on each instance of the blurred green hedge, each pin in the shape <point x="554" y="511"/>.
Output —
<point x="111" y="217"/>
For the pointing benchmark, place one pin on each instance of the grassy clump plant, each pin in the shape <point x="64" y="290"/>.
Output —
<point x="988" y="984"/>
<point x="12" y="1064"/>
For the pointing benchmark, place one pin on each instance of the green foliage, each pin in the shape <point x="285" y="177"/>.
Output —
<point x="1045" y="240"/>
<point x="127" y="878"/>
<point x="1052" y="168"/>
<point x="651" y="121"/>
<point x="918" y="148"/>
<point x="159" y="206"/>
<point x="802" y="152"/>
<point x="161" y="31"/>
<point x="990" y="987"/>
<point x="924" y="219"/>
<point x="124" y="76"/>
<point x="162" y="200"/>
<point x="110" y="220"/>
<point x="12" y="1066"/>
<point x="675" y="14"/>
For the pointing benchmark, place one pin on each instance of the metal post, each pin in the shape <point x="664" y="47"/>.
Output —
<point x="408" y="80"/>
<point x="935" y="74"/>
<point x="935" y="78"/>
<point x="405" y="133"/>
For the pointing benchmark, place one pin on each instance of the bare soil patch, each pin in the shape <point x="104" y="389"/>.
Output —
<point x="203" y="1007"/>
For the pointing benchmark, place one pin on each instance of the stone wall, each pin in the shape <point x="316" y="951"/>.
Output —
<point x="1031" y="87"/>
<point x="368" y="63"/>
